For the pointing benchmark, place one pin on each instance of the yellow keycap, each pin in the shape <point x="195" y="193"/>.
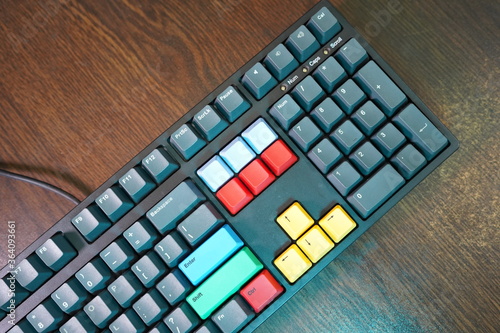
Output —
<point x="295" y="220"/>
<point x="292" y="263"/>
<point x="315" y="243"/>
<point x="337" y="223"/>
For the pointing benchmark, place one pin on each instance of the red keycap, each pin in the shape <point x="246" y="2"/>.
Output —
<point x="261" y="291"/>
<point x="234" y="195"/>
<point x="278" y="157"/>
<point x="256" y="176"/>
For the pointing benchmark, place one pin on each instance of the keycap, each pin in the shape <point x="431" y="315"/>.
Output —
<point x="151" y="307"/>
<point x="215" y="173"/>
<point x="305" y="133"/>
<point x="160" y="328"/>
<point x="286" y="111"/>
<point x="234" y="196"/>
<point x="200" y="223"/>
<point x="91" y="223"/>
<point x="125" y="289"/>
<point x="141" y="235"/>
<point x="94" y="275"/>
<point x="344" y="178"/>
<point x="224" y="282"/>
<point x="256" y="176"/>
<point x="208" y="327"/>
<point x="329" y="74"/>
<point x="366" y="158"/>
<point x="159" y="164"/>
<point x="149" y="269"/>
<point x="209" y="123"/>
<point x="295" y="220"/>
<point x="388" y="139"/>
<point x="408" y="161"/>
<point x="70" y="296"/>
<point x="412" y="122"/>
<point x="280" y="62"/>
<point x="346" y="136"/>
<point x="376" y="190"/>
<point x="174" y="206"/>
<point x="102" y="309"/>
<point x="56" y="252"/>
<point x="315" y="244"/>
<point x="182" y="319"/>
<point x="237" y="154"/>
<point x="351" y="55"/>
<point x="136" y="183"/>
<point x="80" y="323"/>
<point x="292" y="263"/>
<point x="324" y="25"/>
<point x="327" y="114"/>
<point x="186" y="142"/>
<point x="302" y="43"/>
<point x="210" y="255"/>
<point x="258" y="81"/>
<point x="174" y="287"/>
<point x="8" y="299"/>
<point x="233" y="316"/>
<point x="127" y="322"/>
<point x="231" y="103"/>
<point x="324" y="155"/>
<point x="45" y="317"/>
<point x="349" y="96"/>
<point x="337" y="223"/>
<point x="380" y="87"/>
<point x="31" y="273"/>
<point x="368" y="117"/>
<point x="172" y="249"/>
<point x="114" y="203"/>
<point x="307" y="93"/>
<point x="118" y="255"/>
<point x="278" y="157"/>
<point x="261" y="291"/>
<point x="259" y="135"/>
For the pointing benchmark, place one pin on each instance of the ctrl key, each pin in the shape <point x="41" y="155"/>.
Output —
<point x="261" y="291"/>
<point x="234" y="315"/>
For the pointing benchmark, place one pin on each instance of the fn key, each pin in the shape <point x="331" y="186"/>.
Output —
<point x="234" y="315"/>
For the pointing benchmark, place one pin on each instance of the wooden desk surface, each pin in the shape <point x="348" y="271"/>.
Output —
<point x="85" y="85"/>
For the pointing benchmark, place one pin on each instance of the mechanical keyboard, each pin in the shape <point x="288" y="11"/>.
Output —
<point x="234" y="208"/>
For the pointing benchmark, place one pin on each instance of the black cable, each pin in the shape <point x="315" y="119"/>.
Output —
<point x="40" y="183"/>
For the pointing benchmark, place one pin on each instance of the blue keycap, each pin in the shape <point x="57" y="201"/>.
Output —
<point x="258" y="81"/>
<point x="324" y="155"/>
<point x="209" y="123"/>
<point x="347" y="136"/>
<point x="327" y="114"/>
<point x="31" y="273"/>
<point x="329" y="74"/>
<point x="408" y="161"/>
<point x="231" y="103"/>
<point x="259" y="135"/>
<point x="210" y="255"/>
<point x="114" y="203"/>
<point x="388" y="139"/>
<point x="324" y="25"/>
<point x="305" y="133"/>
<point x="91" y="222"/>
<point x="344" y="178"/>
<point x="302" y="43"/>
<point x="280" y="62"/>
<point x="367" y="158"/>
<point x="237" y="154"/>
<point x="186" y="142"/>
<point x="368" y="117"/>
<point x="351" y="55"/>
<point x="125" y="289"/>
<point x="307" y="93"/>
<point x="136" y="183"/>
<point x="56" y="252"/>
<point x="215" y="173"/>
<point x="349" y="96"/>
<point x="159" y="164"/>
<point x="286" y="111"/>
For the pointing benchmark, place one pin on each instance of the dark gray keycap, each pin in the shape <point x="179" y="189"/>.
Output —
<point x="231" y="103"/>
<point x="70" y="296"/>
<point x="258" y="81"/>
<point x="31" y="273"/>
<point x="380" y="88"/>
<point x="125" y="289"/>
<point x="159" y="164"/>
<point x="280" y="62"/>
<point x="136" y="183"/>
<point x="172" y="249"/>
<point x="45" y="317"/>
<point x="351" y="55"/>
<point x="208" y="327"/>
<point x="80" y="323"/>
<point x="286" y="111"/>
<point x="174" y="206"/>
<point x="174" y="287"/>
<point x="327" y="114"/>
<point x="102" y="309"/>
<point x="329" y="74"/>
<point x="388" y="139"/>
<point x="344" y="178"/>
<point x="182" y="320"/>
<point x="160" y="328"/>
<point x="141" y="235"/>
<point x="324" y="25"/>
<point x="233" y="315"/>
<point x="56" y="252"/>
<point x="347" y="136"/>
<point x="128" y="321"/>
<point x="94" y="275"/>
<point x="307" y="93"/>
<point x="408" y="161"/>
<point x="118" y="255"/>
<point x="324" y="155"/>
<point x="91" y="223"/>
<point x="200" y="223"/>
<point x="151" y="307"/>
<point x="209" y="123"/>
<point x="186" y="142"/>
<point x="305" y="134"/>
<point x="367" y="158"/>
<point x="349" y="96"/>
<point x="376" y="190"/>
<point x="149" y="269"/>
<point x="412" y="122"/>
<point x="8" y="284"/>
<point x="114" y="203"/>
<point x="368" y="117"/>
<point x="302" y="43"/>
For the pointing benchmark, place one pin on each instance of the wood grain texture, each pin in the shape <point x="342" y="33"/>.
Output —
<point x="85" y="85"/>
